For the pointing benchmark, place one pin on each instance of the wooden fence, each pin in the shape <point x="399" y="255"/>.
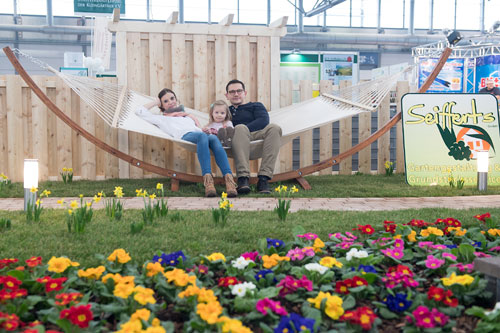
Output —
<point x="29" y="130"/>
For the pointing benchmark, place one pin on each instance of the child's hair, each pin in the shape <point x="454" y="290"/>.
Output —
<point x="212" y="106"/>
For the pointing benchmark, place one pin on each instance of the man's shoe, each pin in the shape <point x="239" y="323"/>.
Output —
<point x="243" y="185"/>
<point x="263" y="185"/>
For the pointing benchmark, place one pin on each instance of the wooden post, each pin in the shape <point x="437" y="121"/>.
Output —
<point x="402" y="88"/>
<point x="345" y="138"/>
<point x="383" y="142"/>
<point x="63" y="100"/>
<point x="306" y="157"/>
<point x="14" y="126"/>
<point x="286" y="153"/>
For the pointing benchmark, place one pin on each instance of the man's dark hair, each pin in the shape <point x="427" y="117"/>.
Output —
<point x="233" y="82"/>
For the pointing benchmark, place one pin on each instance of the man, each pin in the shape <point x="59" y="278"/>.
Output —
<point x="251" y="122"/>
<point x="490" y="88"/>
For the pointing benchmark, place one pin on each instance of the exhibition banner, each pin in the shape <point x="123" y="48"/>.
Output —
<point x="337" y="67"/>
<point x="487" y="67"/>
<point x="442" y="134"/>
<point x="450" y="79"/>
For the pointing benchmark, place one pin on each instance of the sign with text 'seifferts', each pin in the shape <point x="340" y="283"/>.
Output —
<point x="442" y="134"/>
<point x="98" y="6"/>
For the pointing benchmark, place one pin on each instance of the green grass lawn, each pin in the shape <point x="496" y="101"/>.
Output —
<point x="195" y="235"/>
<point x="337" y="186"/>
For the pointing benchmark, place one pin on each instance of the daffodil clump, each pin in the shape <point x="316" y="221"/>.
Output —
<point x="160" y="207"/>
<point x="4" y="181"/>
<point x="456" y="182"/>
<point x="283" y="206"/>
<point x="114" y="207"/>
<point x="389" y="168"/>
<point x="79" y="215"/>
<point x="148" y="213"/>
<point x="221" y="214"/>
<point x="34" y="210"/>
<point x="67" y="175"/>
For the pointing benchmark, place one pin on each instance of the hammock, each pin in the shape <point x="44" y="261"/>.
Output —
<point x="116" y="105"/>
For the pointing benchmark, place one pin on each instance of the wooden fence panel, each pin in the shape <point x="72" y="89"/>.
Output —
<point x="51" y="131"/>
<point x="4" y="165"/>
<point x="345" y="138"/>
<point x="14" y="127"/>
<point x="63" y="100"/>
<point x="383" y="142"/>
<point x="306" y="139"/>
<point x="325" y="132"/>
<point x="286" y="151"/>
<point x="40" y="133"/>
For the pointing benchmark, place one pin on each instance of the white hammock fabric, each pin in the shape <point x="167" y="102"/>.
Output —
<point x="116" y="105"/>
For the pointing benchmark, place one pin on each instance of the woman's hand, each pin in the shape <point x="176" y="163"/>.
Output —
<point x="158" y="102"/>
<point x="206" y="130"/>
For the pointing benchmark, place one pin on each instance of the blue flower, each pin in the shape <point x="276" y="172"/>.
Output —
<point x="274" y="242"/>
<point x="173" y="258"/>
<point x="262" y="274"/>
<point x="367" y="269"/>
<point x="295" y="323"/>
<point x="398" y="303"/>
<point x="451" y="246"/>
<point x="476" y="244"/>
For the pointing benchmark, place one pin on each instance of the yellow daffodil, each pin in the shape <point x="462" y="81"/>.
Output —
<point x="152" y="196"/>
<point x="60" y="202"/>
<point x="33" y="189"/>
<point x="96" y="198"/>
<point x="81" y="196"/>
<point x="223" y="195"/>
<point x="159" y="186"/>
<point x="70" y="211"/>
<point x="294" y="189"/>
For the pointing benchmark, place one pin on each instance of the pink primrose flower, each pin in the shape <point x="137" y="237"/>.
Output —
<point x="295" y="254"/>
<point x="308" y="236"/>
<point x="308" y="251"/>
<point x="481" y="255"/>
<point x="250" y="255"/>
<point x="438" y="246"/>
<point x="266" y="304"/>
<point x="439" y="318"/>
<point x="423" y="245"/>
<point x="304" y="282"/>
<point x="345" y="245"/>
<point x="399" y="244"/>
<point x="495" y="248"/>
<point x="394" y="253"/>
<point x="449" y="256"/>
<point x="433" y="262"/>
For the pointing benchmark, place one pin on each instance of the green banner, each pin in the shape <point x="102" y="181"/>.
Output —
<point x="99" y="6"/>
<point x="442" y="134"/>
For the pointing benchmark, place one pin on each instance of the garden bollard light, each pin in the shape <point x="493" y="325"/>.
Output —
<point x="482" y="170"/>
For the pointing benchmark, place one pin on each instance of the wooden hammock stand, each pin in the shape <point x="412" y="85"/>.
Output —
<point x="176" y="176"/>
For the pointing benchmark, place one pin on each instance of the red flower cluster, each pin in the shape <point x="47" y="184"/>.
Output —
<point x="483" y="217"/>
<point x="10" y="289"/>
<point x="448" y="222"/>
<point x="342" y="287"/>
<point x="9" y="322"/>
<point x="418" y="223"/>
<point x="78" y="315"/>
<point x="390" y="226"/>
<point x="34" y="261"/>
<point x="366" y="229"/>
<point x="228" y="281"/>
<point x="66" y="298"/>
<point x="440" y="295"/>
<point x="52" y="284"/>
<point x="363" y="316"/>
<point x="6" y="262"/>
<point x="290" y="284"/>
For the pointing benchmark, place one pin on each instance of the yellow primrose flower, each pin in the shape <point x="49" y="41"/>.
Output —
<point x="431" y="231"/>
<point x="494" y="232"/>
<point x="397" y="236"/>
<point x="131" y="326"/>
<point x="123" y="290"/>
<point x="92" y="273"/>
<point x="206" y="296"/>
<point x="216" y="256"/>
<point x="273" y="260"/>
<point x="411" y="236"/>
<point x="144" y="295"/>
<point x="155" y="329"/>
<point x="330" y="262"/>
<point x="191" y="290"/>
<point x="59" y="265"/>
<point x="209" y="312"/>
<point x="159" y="186"/>
<point x="119" y="255"/>
<point x="33" y="189"/>
<point x="179" y="277"/>
<point x="233" y="326"/>
<point x="464" y="280"/>
<point x="73" y="204"/>
<point x="143" y="314"/>
<point x="154" y="268"/>
<point x="318" y="299"/>
<point x="318" y="244"/>
<point x="333" y="307"/>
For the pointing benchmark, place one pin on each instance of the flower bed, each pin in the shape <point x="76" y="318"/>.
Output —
<point x="411" y="277"/>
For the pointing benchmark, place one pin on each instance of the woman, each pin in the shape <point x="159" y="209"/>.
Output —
<point x="182" y="125"/>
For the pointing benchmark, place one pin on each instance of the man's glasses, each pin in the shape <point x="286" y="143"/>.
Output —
<point x="234" y="92"/>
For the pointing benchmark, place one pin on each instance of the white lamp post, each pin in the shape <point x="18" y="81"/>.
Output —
<point x="30" y="181"/>
<point x="482" y="170"/>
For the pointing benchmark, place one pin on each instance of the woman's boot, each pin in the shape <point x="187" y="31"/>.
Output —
<point x="208" y="182"/>
<point x="230" y="186"/>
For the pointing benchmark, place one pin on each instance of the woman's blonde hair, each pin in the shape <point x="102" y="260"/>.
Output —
<point x="212" y="106"/>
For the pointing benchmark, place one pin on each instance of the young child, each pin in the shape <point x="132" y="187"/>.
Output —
<point x="220" y="123"/>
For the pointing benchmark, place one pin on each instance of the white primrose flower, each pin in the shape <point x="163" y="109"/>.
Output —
<point x="354" y="252"/>
<point x="315" y="267"/>
<point x="241" y="289"/>
<point x="240" y="263"/>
